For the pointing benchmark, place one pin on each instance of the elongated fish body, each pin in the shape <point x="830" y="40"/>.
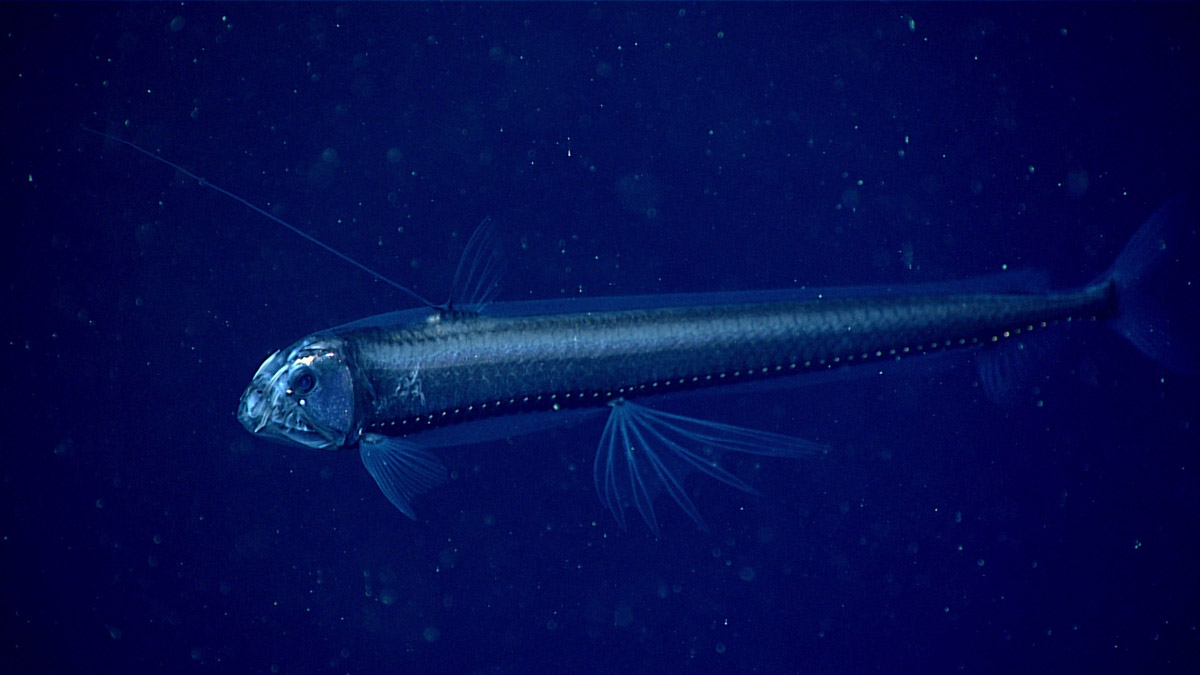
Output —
<point x="455" y="367"/>
<point x="388" y="385"/>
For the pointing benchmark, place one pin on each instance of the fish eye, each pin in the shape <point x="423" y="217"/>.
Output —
<point x="303" y="382"/>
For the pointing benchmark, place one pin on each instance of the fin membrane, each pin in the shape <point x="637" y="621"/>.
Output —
<point x="401" y="468"/>
<point x="1009" y="372"/>
<point x="480" y="268"/>
<point x="645" y="452"/>
<point x="1157" y="290"/>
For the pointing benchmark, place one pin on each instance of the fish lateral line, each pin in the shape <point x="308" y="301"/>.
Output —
<point x="270" y="216"/>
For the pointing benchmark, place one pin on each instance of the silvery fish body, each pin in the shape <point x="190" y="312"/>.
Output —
<point x="393" y="386"/>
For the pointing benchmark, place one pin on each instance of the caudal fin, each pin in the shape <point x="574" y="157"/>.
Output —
<point x="1157" y="280"/>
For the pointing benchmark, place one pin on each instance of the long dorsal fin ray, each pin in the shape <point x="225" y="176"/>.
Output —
<point x="244" y="202"/>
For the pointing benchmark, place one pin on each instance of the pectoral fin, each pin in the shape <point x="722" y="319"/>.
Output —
<point x="645" y="452"/>
<point x="401" y="468"/>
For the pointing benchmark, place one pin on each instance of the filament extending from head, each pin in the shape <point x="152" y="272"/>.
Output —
<point x="252" y="207"/>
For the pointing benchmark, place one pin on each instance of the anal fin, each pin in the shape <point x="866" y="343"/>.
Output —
<point x="1008" y="372"/>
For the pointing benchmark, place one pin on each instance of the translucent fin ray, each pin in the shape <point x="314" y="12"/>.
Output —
<point x="402" y="469"/>
<point x="480" y="268"/>
<point x="644" y="453"/>
<point x="1156" y="289"/>
<point x="1008" y="372"/>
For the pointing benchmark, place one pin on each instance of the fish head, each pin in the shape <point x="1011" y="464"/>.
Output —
<point x="304" y="395"/>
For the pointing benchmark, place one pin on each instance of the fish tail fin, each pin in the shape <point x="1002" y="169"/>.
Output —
<point x="1157" y="284"/>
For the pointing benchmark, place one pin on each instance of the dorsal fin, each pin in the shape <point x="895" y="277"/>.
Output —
<point x="241" y="200"/>
<point x="477" y="279"/>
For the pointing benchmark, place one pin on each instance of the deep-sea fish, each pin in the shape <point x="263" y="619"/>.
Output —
<point x="469" y="370"/>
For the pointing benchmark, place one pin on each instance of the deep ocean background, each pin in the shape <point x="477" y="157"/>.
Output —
<point x="624" y="149"/>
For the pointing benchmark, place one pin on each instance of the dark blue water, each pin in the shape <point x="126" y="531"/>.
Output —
<point x="624" y="149"/>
